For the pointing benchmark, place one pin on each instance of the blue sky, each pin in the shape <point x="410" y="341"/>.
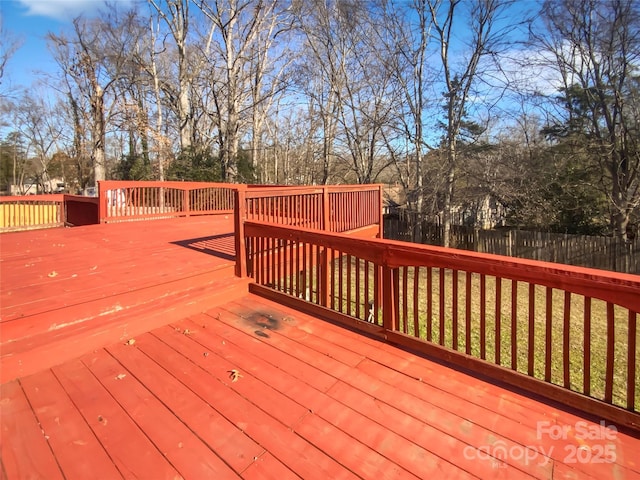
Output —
<point x="29" y="21"/>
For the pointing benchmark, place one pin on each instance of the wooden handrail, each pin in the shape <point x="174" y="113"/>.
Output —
<point x="521" y="321"/>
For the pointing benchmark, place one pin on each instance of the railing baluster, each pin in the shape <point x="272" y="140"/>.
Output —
<point x="429" y="304"/>
<point x="349" y="284"/>
<point x="405" y="300"/>
<point x="416" y="301"/>
<point x="514" y="325"/>
<point x="454" y="310"/>
<point x="357" y="292"/>
<point x="586" y="383"/>
<point x="467" y="316"/>
<point x="566" y="340"/>
<point x="340" y="282"/>
<point x="532" y="322"/>
<point x="632" y="358"/>
<point x="548" y="334"/>
<point x="498" y="320"/>
<point x="377" y="292"/>
<point x="610" y="356"/>
<point x="441" y="310"/>
<point x="483" y="316"/>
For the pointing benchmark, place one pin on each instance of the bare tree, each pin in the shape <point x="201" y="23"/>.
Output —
<point x="594" y="46"/>
<point x="175" y="14"/>
<point x="244" y="30"/>
<point x="405" y="41"/>
<point x="460" y="76"/>
<point x="94" y="58"/>
<point x="9" y="44"/>
<point x="42" y="132"/>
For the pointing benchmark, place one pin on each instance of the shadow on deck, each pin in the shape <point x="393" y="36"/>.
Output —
<point x="221" y="246"/>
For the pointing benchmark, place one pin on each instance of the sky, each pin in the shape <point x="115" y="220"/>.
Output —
<point x="29" y="21"/>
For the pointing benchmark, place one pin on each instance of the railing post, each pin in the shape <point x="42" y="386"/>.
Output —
<point x="380" y="210"/>
<point x="239" y="216"/>
<point x="102" y="203"/>
<point x="390" y="298"/>
<point x="185" y="202"/>
<point x="326" y="209"/>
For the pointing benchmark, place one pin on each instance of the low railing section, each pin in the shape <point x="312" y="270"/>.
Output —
<point x="32" y="212"/>
<point x="569" y="333"/>
<point x="125" y="201"/>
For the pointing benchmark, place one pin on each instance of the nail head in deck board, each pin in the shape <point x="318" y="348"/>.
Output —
<point x="76" y="448"/>
<point x="129" y="447"/>
<point x="25" y="451"/>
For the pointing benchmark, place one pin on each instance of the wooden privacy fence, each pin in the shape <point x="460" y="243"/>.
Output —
<point x="46" y="211"/>
<point x="608" y="253"/>
<point x="568" y="333"/>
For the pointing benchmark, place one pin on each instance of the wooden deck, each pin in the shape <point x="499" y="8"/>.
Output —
<point x="68" y="289"/>
<point x="193" y="378"/>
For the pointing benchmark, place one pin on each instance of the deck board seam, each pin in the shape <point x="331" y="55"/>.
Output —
<point x="171" y="410"/>
<point x="37" y="419"/>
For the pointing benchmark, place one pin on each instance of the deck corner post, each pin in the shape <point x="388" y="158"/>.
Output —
<point x="239" y="217"/>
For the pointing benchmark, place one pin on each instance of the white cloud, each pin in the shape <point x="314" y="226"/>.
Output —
<point x="63" y="9"/>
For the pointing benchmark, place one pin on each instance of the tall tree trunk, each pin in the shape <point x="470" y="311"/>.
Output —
<point x="98" y="134"/>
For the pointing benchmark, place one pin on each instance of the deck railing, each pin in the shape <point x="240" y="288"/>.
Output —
<point x="46" y="211"/>
<point x="128" y="200"/>
<point x="335" y="208"/>
<point x="329" y="207"/>
<point x="569" y="333"/>
<point x="32" y="211"/>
